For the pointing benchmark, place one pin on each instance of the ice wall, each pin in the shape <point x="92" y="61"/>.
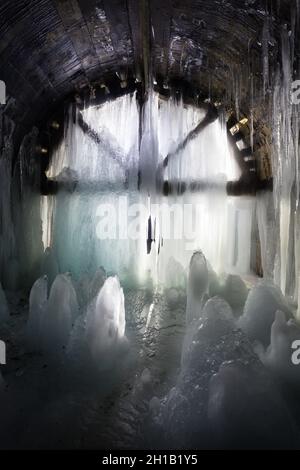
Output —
<point x="284" y="159"/>
<point x="20" y="223"/>
<point x="117" y="193"/>
<point x="279" y="219"/>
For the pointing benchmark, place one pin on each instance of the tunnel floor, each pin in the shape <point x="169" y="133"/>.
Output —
<point x="61" y="403"/>
<point x="50" y="405"/>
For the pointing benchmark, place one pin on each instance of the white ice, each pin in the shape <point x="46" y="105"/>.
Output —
<point x="197" y="286"/>
<point x="97" y="283"/>
<point x="262" y="303"/>
<point x="70" y="221"/>
<point x="105" y="324"/>
<point x="60" y="314"/>
<point x="49" y="265"/>
<point x="37" y="307"/>
<point x="278" y="356"/>
<point x="235" y="292"/>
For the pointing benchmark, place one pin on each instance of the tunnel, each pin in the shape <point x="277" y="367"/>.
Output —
<point x="149" y="225"/>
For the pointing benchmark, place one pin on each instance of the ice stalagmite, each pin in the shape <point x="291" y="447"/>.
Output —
<point x="235" y="292"/>
<point x="49" y="265"/>
<point x="97" y="282"/>
<point x="105" y="328"/>
<point x="217" y="317"/>
<point x="37" y="307"/>
<point x="224" y="397"/>
<point x="175" y="275"/>
<point x="279" y="355"/>
<point x="60" y="314"/>
<point x="197" y="286"/>
<point x="259" y="313"/>
<point x="246" y="410"/>
<point x="4" y="312"/>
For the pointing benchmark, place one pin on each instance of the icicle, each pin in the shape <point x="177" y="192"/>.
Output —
<point x="106" y="195"/>
<point x="265" y="56"/>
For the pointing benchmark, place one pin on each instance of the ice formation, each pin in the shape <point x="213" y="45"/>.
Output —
<point x="220" y="374"/>
<point x="97" y="283"/>
<point x="49" y="266"/>
<point x="173" y="296"/>
<point x="279" y="217"/>
<point x="105" y="323"/>
<point x="175" y="275"/>
<point x="4" y="311"/>
<point x="278" y="356"/>
<point x="245" y="409"/>
<point x="59" y="316"/>
<point x="235" y="292"/>
<point x="105" y="174"/>
<point x="37" y="307"/>
<point x="259" y="313"/>
<point x="217" y="317"/>
<point x="197" y="285"/>
<point x="224" y="396"/>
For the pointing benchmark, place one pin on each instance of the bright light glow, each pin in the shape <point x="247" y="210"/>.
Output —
<point x="70" y="223"/>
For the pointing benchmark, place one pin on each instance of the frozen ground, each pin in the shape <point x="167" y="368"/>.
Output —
<point x="47" y="404"/>
<point x="196" y="383"/>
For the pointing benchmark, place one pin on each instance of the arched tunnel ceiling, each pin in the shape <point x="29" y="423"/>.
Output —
<point x="51" y="48"/>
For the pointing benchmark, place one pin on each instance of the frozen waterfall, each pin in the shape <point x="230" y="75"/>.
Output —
<point x="116" y="215"/>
